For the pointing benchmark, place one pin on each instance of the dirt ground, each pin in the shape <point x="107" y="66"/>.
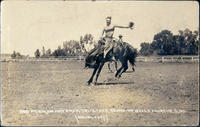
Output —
<point x="56" y="93"/>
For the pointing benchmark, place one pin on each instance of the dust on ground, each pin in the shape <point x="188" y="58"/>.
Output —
<point x="63" y="86"/>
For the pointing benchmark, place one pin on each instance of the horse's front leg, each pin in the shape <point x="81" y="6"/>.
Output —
<point x="91" y="78"/>
<point x="98" y="72"/>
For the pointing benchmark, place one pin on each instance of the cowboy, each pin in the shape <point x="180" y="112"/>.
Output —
<point x="109" y="31"/>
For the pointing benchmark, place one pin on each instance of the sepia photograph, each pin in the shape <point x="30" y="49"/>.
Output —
<point x="99" y="63"/>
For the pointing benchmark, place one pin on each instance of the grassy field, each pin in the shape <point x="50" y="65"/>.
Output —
<point x="42" y="93"/>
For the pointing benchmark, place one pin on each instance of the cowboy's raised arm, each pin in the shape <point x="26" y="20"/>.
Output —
<point x="129" y="26"/>
<point x="116" y="26"/>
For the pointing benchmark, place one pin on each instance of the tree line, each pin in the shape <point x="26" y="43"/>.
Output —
<point x="166" y="43"/>
<point x="69" y="48"/>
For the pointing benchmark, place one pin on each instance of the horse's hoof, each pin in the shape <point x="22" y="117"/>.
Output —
<point x="88" y="83"/>
<point x="118" y="76"/>
<point x="92" y="84"/>
<point x="95" y="83"/>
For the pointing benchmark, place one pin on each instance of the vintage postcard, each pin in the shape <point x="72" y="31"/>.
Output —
<point x="99" y="63"/>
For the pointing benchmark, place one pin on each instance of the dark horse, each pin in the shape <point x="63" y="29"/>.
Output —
<point x="121" y="51"/>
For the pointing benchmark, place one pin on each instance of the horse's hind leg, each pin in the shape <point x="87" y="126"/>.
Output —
<point x="91" y="78"/>
<point x="132" y="64"/>
<point x="125" y="67"/>
<point x="118" y="71"/>
<point x="122" y="69"/>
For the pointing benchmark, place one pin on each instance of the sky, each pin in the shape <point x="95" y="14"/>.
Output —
<point x="29" y="25"/>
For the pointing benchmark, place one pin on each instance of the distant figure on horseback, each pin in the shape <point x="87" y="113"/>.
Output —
<point x="120" y="38"/>
<point x="107" y="49"/>
<point x="109" y="31"/>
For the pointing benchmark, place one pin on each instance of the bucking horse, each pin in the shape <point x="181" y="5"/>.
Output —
<point x="120" y="51"/>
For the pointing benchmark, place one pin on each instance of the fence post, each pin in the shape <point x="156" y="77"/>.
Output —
<point x="182" y="59"/>
<point x="192" y="59"/>
<point x="163" y="59"/>
<point x="80" y="58"/>
<point x="172" y="59"/>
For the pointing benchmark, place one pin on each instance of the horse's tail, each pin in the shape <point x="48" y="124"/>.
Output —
<point x="132" y="56"/>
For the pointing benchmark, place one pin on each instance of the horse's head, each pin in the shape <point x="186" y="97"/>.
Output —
<point x="88" y="46"/>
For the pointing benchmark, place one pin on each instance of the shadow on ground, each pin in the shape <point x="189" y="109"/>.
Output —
<point x="114" y="83"/>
